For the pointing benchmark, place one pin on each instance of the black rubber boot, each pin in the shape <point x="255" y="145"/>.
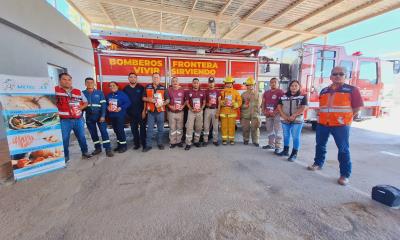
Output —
<point x="293" y="156"/>
<point x="285" y="151"/>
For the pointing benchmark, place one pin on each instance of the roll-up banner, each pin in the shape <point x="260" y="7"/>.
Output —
<point x="32" y="125"/>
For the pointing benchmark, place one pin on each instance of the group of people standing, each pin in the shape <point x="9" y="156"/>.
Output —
<point x="206" y="109"/>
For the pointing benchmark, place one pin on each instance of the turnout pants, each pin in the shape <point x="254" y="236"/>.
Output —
<point x="118" y="127"/>
<point x="92" y="126"/>
<point x="251" y="126"/>
<point x="194" y="122"/>
<point x="210" y="120"/>
<point x="274" y="131"/>
<point x="175" y="120"/>
<point x="228" y="124"/>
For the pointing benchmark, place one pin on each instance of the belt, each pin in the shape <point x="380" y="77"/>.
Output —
<point x="176" y="111"/>
<point x="212" y="107"/>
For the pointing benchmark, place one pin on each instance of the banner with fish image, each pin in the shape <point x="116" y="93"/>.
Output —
<point x="32" y="125"/>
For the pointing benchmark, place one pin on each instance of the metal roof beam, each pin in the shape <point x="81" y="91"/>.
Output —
<point x="345" y="14"/>
<point x="224" y="8"/>
<point x="252" y="12"/>
<point x="106" y="14"/>
<point x="134" y="18"/>
<point x="79" y="11"/>
<point x="188" y="18"/>
<point x="286" y="10"/>
<point x="341" y="16"/>
<point x="198" y="14"/>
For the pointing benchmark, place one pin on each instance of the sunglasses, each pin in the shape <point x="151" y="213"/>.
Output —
<point x="338" y="74"/>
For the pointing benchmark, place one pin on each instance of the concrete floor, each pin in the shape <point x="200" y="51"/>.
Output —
<point x="227" y="192"/>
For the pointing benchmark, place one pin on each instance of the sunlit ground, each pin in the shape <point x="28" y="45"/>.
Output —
<point x="388" y="124"/>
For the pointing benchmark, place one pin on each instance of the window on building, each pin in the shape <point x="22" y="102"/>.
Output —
<point x="369" y="72"/>
<point x="54" y="71"/>
<point x="348" y="65"/>
<point x="71" y="14"/>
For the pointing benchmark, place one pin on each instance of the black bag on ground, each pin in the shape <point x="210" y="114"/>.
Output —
<point x="387" y="195"/>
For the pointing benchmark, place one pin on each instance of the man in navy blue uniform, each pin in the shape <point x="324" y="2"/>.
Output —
<point x="136" y="111"/>
<point x="95" y="117"/>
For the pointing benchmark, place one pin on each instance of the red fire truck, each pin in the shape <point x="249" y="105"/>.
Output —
<point x="119" y="53"/>
<point x="312" y="65"/>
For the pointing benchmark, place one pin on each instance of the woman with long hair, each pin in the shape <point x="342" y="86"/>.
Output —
<point x="291" y="108"/>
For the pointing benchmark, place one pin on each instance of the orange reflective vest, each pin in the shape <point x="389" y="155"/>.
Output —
<point x="160" y="91"/>
<point x="335" y="108"/>
<point x="68" y="105"/>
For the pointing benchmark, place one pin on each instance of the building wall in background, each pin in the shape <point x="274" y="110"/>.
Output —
<point x="35" y="36"/>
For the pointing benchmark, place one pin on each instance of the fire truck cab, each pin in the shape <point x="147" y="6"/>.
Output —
<point x="312" y="65"/>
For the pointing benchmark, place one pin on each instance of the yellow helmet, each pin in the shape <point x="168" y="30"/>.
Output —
<point x="249" y="81"/>
<point x="229" y="79"/>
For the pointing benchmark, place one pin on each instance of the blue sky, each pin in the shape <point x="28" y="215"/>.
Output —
<point x="380" y="45"/>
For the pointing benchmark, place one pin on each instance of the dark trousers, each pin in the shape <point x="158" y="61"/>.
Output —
<point x="92" y="126"/>
<point x="118" y="127"/>
<point x="139" y="136"/>
<point x="341" y="137"/>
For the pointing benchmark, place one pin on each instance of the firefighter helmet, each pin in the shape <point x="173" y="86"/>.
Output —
<point x="229" y="79"/>
<point x="249" y="81"/>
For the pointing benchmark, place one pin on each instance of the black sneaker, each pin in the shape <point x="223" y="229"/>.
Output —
<point x="256" y="144"/>
<point x="109" y="153"/>
<point x="246" y="142"/>
<point x="161" y="147"/>
<point x="122" y="149"/>
<point x="146" y="149"/>
<point x="268" y="147"/>
<point x="205" y="144"/>
<point x="197" y="144"/>
<point x="187" y="147"/>
<point x="172" y="145"/>
<point x="216" y="144"/>
<point x="277" y="150"/>
<point x="180" y="145"/>
<point x="96" y="151"/>
<point x="136" y="147"/>
<point x="86" y="155"/>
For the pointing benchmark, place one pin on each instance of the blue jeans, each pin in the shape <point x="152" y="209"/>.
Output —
<point x="78" y="126"/>
<point x="341" y="137"/>
<point x="292" y="130"/>
<point x="118" y="124"/>
<point x="158" y="118"/>
<point x="92" y="127"/>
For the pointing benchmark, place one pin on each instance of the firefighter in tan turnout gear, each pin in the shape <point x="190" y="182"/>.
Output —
<point x="195" y="101"/>
<point x="250" y="112"/>
<point x="230" y="101"/>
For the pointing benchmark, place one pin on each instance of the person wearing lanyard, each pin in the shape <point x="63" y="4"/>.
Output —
<point x="70" y="103"/>
<point x="156" y="98"/>
<point x="175" y="113"/>
<point x="136" y="111"/>
<point x="118" y="102"/>
<point x="95" y="115"/>
<point x="211" y="113"/>
<point x="195" y="100"/>
<point x="291" y="108"/>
